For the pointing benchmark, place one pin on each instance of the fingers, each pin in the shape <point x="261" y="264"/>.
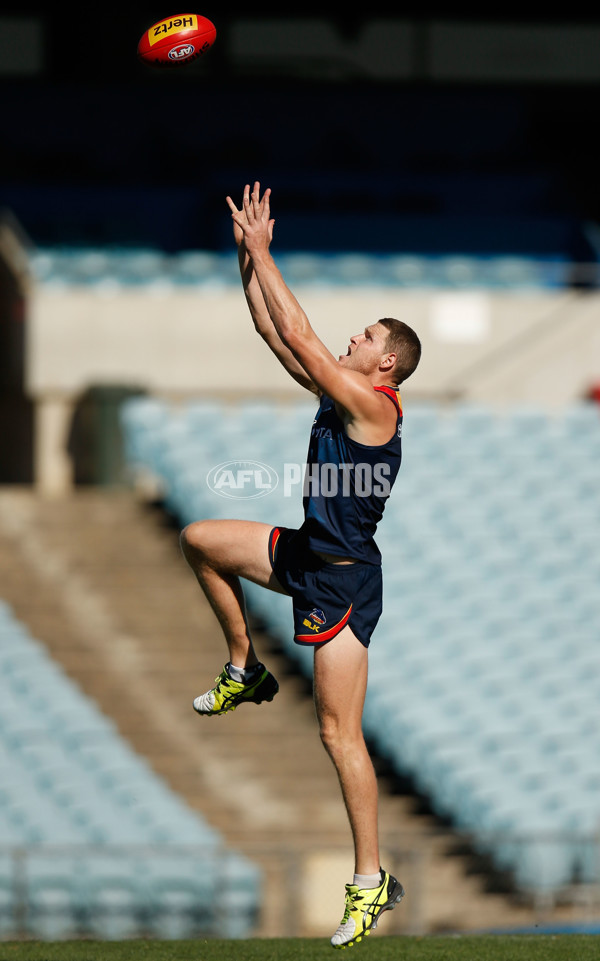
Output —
<point x="253" y="205"/>
<point x="267" y="204"/>
<point x="253" y="208"/>
<point x="231" y="205"/>
<point x="245" y="201"/>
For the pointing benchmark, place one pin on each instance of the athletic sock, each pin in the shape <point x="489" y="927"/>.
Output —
<point x="366" y="881"/>
<point x="241" y="674"/>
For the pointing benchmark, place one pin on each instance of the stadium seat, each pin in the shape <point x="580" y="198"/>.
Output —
<point x="115" y="898"/>
<point x="8" y="889"/>
<point x="54" y="898"/>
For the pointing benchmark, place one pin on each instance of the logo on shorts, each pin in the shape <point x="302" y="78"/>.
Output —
<point x="317" y="619"/>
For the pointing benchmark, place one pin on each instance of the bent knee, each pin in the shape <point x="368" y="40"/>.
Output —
<point x="194" y="538"/>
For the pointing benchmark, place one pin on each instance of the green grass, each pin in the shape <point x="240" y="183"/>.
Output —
<point x="565" y="947"/>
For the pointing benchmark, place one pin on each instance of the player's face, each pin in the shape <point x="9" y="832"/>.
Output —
<point x="365" y="350"/>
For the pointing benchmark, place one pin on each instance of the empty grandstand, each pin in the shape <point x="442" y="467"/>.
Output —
<point x="92" y="842"/>
<point x="486" y="666"/>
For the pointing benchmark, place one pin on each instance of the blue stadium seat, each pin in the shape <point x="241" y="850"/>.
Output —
<point x="115" y="897"/>
<point x="8" y="888"/>
<point x="55" y="906"/>
<point x="183" y="906"/>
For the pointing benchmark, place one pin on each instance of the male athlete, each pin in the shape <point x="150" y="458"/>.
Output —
<point x="331" y="567"/>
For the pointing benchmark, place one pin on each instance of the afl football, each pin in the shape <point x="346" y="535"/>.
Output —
<point x="176" y="40"/>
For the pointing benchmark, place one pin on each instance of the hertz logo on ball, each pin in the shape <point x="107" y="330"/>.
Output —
<point x="172" y="25"/>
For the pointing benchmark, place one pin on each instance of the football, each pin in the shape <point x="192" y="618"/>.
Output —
<point x="176" y="40"/>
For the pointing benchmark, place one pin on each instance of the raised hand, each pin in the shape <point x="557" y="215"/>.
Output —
<point x="253" y="224"/>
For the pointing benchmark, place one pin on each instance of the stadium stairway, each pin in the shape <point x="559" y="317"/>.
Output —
<point x="98" y="577"/>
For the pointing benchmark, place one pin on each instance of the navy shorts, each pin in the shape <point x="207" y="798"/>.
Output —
<point x="326" y="597"/>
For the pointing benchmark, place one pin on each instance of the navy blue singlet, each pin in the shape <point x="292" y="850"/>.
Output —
<point x="347" y="484"/>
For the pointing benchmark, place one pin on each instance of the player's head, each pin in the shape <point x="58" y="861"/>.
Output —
<point x="388" y="349"/>
<point x="404" y="343"/>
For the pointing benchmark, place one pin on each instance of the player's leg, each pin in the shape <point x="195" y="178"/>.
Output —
<point x="340" y="684"/>
<point x="340" y="681"/>
<point x="220" y="552"/>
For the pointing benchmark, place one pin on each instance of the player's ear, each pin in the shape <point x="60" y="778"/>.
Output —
<point x="388" y="362"/>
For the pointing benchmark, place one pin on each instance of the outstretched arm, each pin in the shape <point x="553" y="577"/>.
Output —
<point x="349" y="388"/>
<point x="255" y="299"/>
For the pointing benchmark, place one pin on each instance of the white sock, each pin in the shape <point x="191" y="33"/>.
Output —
<point x="240" y="674"/>
<point x="367" y="880"/>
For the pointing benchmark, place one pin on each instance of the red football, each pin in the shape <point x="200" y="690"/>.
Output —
<point x="176" y="40"/>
